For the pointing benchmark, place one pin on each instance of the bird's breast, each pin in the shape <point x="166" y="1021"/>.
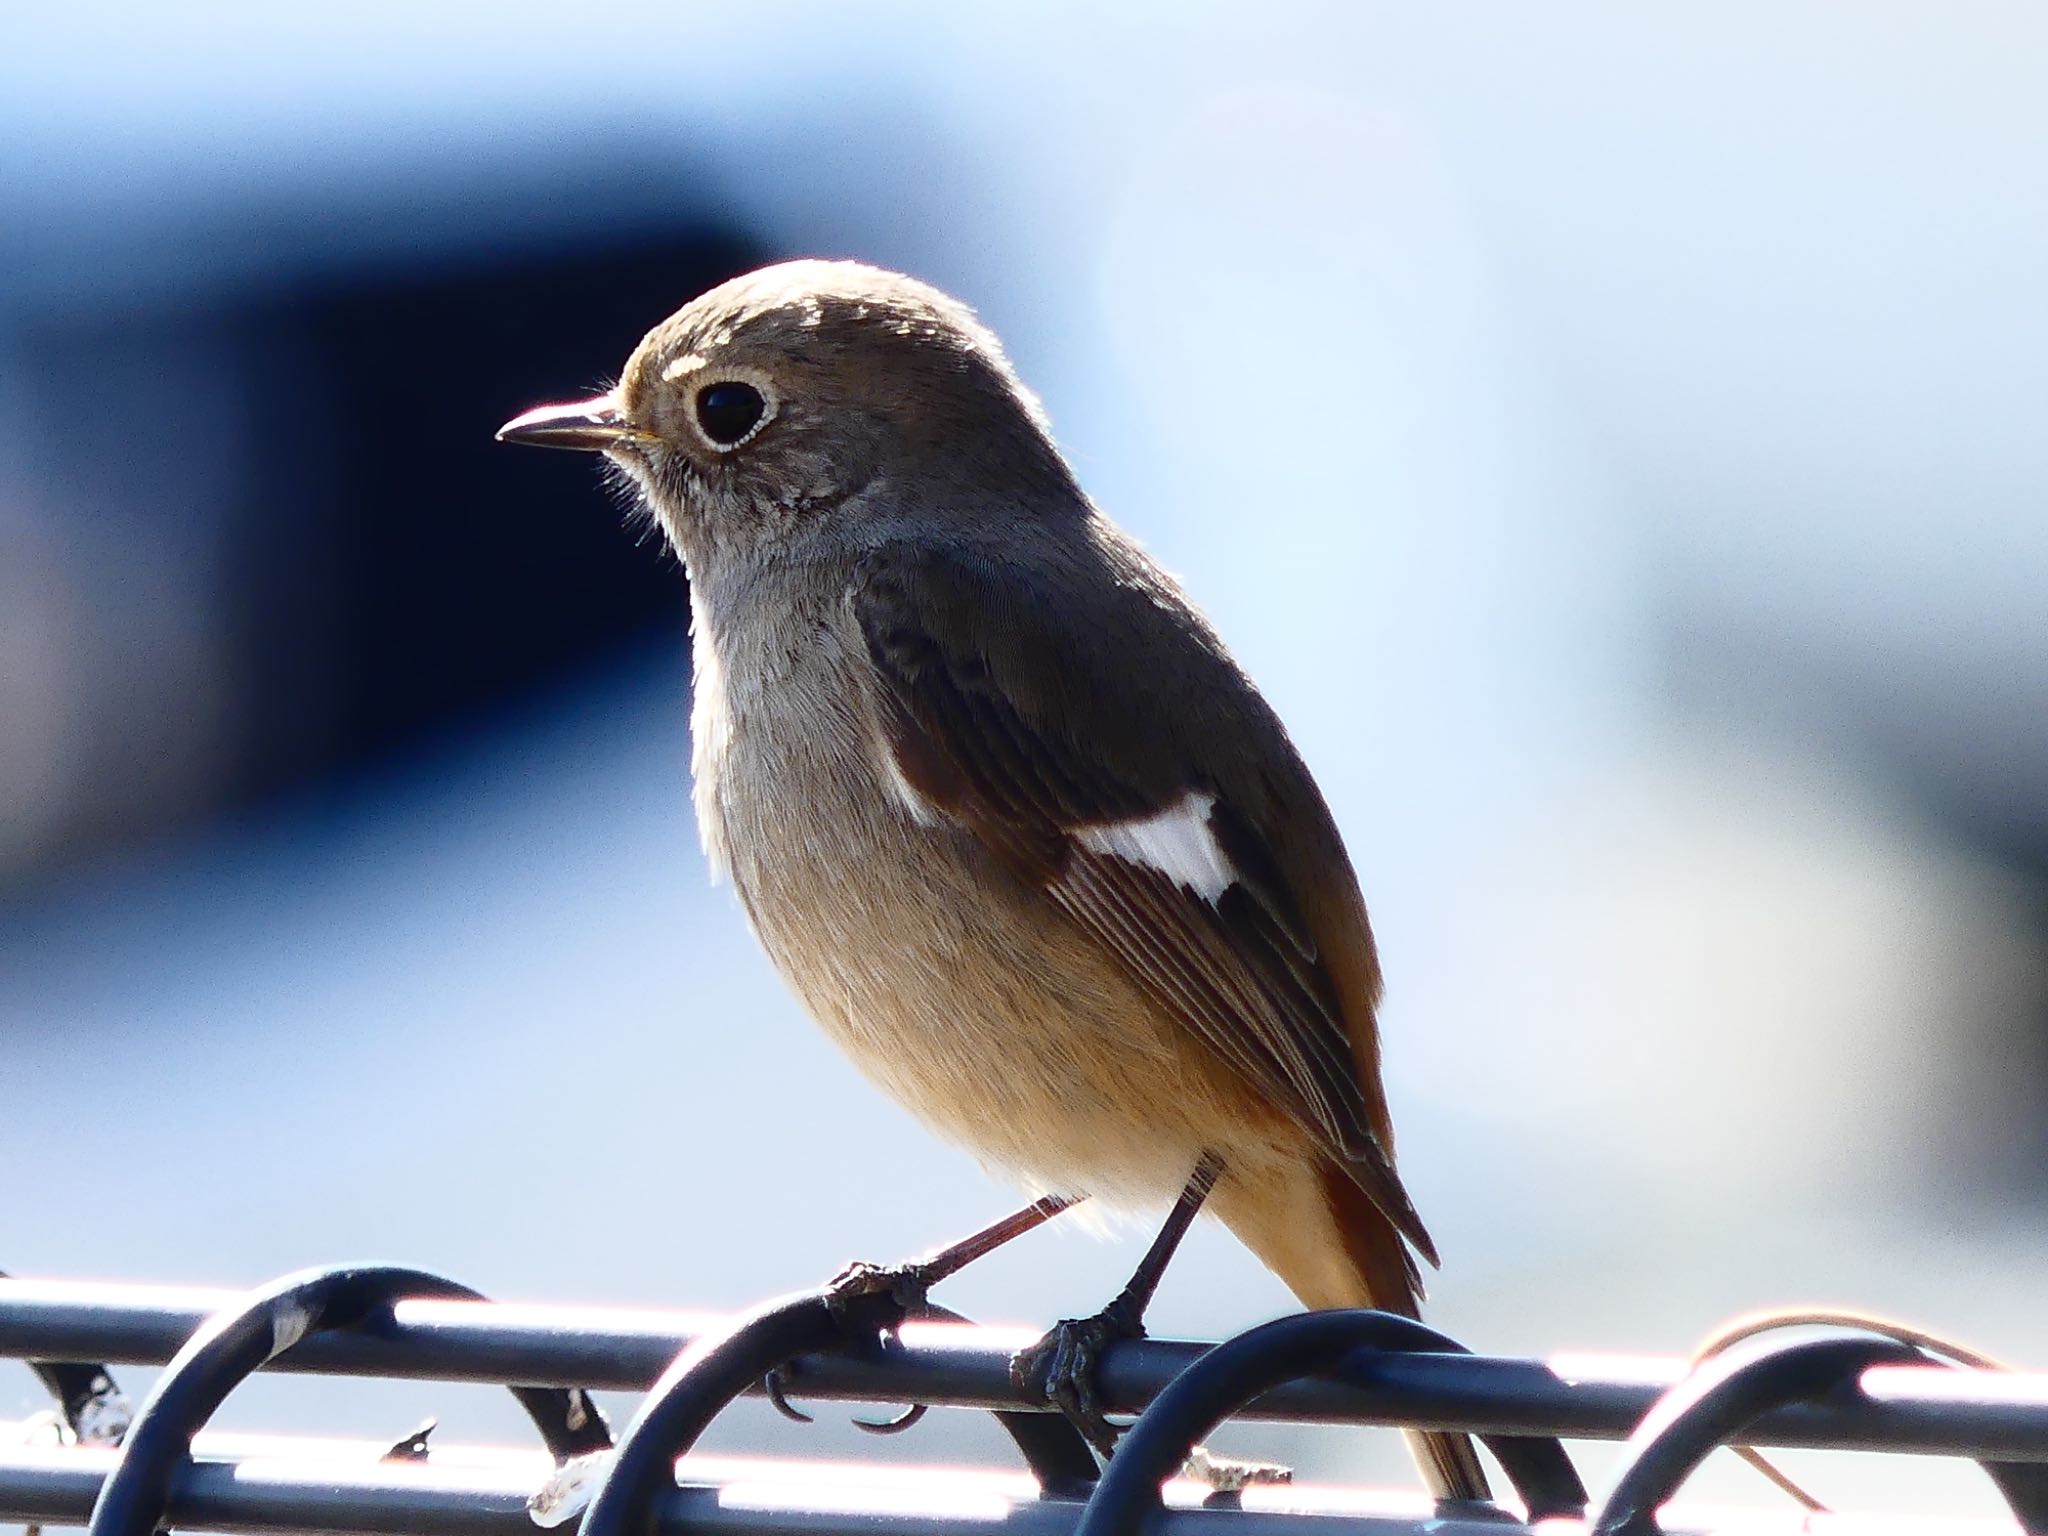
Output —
<point x="960" y="991"/>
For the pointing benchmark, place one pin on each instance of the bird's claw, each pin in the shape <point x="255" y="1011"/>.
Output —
<point x="904" y="1420"/>
<point x="1061" y="1371"/>
<point x="853" y="1296"/>
<point x="776" y="1386"/>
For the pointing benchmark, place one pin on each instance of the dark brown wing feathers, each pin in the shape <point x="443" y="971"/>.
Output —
<point x="1249" y="975"/>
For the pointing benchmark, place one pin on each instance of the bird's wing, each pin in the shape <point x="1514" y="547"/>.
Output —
<point x="1087" y="783"/>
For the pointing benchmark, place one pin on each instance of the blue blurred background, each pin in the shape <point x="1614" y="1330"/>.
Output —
<point x="1613" y="435"/>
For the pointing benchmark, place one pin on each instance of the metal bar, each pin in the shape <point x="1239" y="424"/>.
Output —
<point x="465" y="1491"/>
<point x="693" y="1391"/>
<point x="87" y="1400"/>
<point x="1908" y="1409"/>
<point x="237" y="1341"/>
<point x="1711" y="1409"/>
<point x="1210" y="1390"/>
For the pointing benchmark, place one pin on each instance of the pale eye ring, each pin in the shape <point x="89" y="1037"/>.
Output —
<point x="730" y="411"/>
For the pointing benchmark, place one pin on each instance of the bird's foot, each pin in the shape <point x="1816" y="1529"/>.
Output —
<point x="1060" y="1369"/>
<point x="864" y="1298"/>
<point x="855" y="1291"/>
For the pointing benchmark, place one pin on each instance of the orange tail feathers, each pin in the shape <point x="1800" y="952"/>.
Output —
<point x="1319" y="1232"/>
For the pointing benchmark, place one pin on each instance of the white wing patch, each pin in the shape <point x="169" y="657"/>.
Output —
<point x="1177" y="842"/>
<point x="920" y="810"/>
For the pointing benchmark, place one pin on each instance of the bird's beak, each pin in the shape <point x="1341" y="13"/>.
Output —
<point x="589" y="425"/>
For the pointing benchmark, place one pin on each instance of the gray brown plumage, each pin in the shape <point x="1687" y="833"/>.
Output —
<point x="1000" y="805"/>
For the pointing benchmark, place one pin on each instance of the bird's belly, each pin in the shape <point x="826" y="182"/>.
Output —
<point x="962" y="993"/>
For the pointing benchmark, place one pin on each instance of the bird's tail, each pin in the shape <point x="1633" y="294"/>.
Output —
<point x="1334" y="1248"/>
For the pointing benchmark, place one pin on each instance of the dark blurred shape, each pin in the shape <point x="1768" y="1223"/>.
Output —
<point x="459" y="573"/>
<point x="284" y="544"/>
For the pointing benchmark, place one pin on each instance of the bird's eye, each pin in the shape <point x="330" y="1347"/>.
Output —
<point x="729" y="411"/>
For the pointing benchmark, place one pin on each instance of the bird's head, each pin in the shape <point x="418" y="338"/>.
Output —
<point x="805" y="396"/>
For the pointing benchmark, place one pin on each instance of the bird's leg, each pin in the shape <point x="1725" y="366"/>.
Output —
<point x="908" y="1284"/>
<point x="1061" y="1367"/>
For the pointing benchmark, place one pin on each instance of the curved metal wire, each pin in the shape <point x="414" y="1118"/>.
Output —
<point x="1732" y="1391"/>
<point x="718" y="1367"/>
<point x="1752" y="1325"/>
<point x="233" y="1344"/>
<point x="694" y="1390"/>
<point x="1311" y="1344"/>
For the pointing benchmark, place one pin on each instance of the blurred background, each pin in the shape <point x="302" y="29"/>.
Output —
<point x="1613" y="435"/>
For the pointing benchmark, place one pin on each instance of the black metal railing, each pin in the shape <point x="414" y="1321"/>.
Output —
<point x="94" y="1464"/>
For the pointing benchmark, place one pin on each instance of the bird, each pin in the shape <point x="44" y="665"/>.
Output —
<point x="1006" y="814"/>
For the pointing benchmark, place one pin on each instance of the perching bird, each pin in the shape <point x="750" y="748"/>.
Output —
<point x="1006" y="815"/>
